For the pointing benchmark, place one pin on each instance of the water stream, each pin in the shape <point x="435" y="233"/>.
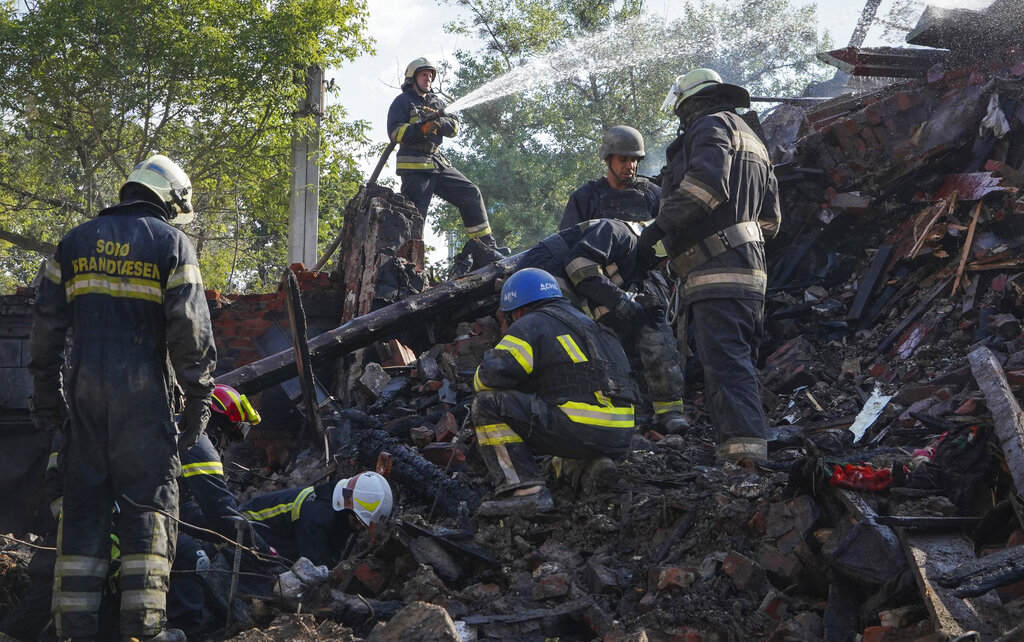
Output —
<point x="620" y="46"/>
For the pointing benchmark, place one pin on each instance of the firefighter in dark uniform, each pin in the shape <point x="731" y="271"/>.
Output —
<point x="424" y="170"/>
<point x="720" y="198"/>
<point x="597" y="266"/>
<point x="206" y="502"/>
<point x="127" y="283"/>
<point x="316" y="522"/>
<point x="556" y="384"/>
<point x="620" y="194"/>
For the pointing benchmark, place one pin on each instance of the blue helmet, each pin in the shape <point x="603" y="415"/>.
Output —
<point x="526" y="286"/>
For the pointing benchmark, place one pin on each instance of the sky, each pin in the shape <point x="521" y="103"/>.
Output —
<point x="412" y="28"/>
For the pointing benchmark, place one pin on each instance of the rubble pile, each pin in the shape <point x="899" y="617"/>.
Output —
<point x="890" y="507"/>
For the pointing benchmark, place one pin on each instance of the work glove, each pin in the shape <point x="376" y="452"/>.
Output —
<point x="193" y="422"/>
<point x="430" y="128"/>
<point x="654" y="311"/>
<point x="650" y="236"/>
<point x="630" y="312"/>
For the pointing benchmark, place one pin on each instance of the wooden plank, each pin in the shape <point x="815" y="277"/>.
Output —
<point x="967" y="247"/>
<point x="451" y="297"/>
<point x="869" y="282"/>
<point x="934" y="556"/>
<point x="922" y="305"/>
<point x="1007" y="416"/>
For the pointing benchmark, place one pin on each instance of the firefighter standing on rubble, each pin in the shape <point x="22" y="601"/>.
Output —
<point x="414" y="123"/>
<point x="556" y="384"/>
<point x="719" y="197"/>
<point x="620" y="193"/>
<point x="127" y="283"/>
<point x="316" y="522"/>
<point x="597" y="266"/>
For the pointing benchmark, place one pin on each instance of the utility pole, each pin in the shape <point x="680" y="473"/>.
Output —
<point x="303" y="206"/>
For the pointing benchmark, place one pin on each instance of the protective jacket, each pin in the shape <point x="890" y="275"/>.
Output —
<point x="301" y="522"/>
<point x="720" y="198"/>
<point x="129" y="286"/>
<point x="557" y="353"/>
<point x="598" y="199"/>
<point x="597" y="257"/>
<point x="206" y="500"/>
<point x="418" y="153"/>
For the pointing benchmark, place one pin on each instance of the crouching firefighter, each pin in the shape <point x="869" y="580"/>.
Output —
<point x="597" y="265"/>
<point x="316" y="522"/>
<point x="556" y="384"/>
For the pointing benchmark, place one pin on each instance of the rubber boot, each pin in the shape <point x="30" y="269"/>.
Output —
<point x="167" y="635"/>
<point x="538" y="501"/>
<point x="673" y="423"/>
<point x="585" y="475"/>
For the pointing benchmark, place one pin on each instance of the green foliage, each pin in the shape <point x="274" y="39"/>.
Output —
<point x="92" y="87"/>
<point x="528" y="151"/>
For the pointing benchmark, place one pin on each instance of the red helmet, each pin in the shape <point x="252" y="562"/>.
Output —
<point x="235" y="407"/>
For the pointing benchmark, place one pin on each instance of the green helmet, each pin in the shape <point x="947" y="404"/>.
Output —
<point x="624" y="141"/>
<point x="706" y="82"/>
<point x="416" y="66"/>
<point x="162" y="176"/>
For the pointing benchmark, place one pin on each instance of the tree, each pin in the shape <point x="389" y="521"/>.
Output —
<point x="92" y="87"/>
<point x="561" y="72"/>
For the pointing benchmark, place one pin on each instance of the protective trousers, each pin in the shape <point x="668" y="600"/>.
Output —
<point x="511" y="426"/>
<point x="121" y="447"/>
<point x="663" y="368"/>
<point x="726" y="333"/>
<point x="453" y="187"/>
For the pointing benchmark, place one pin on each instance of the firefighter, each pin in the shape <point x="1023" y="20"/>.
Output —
<point x="207" y="503"/>
<point x="620" y="194"/>
<point x="128" y="285"/>
<point x="597" y="265"/>
<point x="206" y="500"/>
<point x="316" y="522"/>
<point x="722" y="197"/>
<point x="556" y="384"/>
<point x="415" y="124"/>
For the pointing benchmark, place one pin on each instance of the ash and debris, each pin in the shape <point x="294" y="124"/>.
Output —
<point x="900" y="256"/>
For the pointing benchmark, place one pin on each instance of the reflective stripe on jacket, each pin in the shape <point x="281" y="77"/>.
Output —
<point x="542" y="355"/>
<point x="417" y="152"/>
<point x="719" y="174"/>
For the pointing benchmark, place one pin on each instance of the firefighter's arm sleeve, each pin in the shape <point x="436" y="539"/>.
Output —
<point x="592" y="262"/>
<point x="312" y="537"/>
<point x="203" y="474"/>
<point x="189" y="331"/>
<point x="705" y="184"/>
<point x="403" y="128"/>
<point x="449" y="126"/>
<point x="508" y="364"/>
<point x="770" y="217"/>
<point x="654" y="198"/>
<point x="50" y="322"/>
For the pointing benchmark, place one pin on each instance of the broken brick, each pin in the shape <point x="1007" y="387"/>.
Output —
<point x="745" y="573"/>
<point x="548" y="586"/>
<point x="675" y="577"/>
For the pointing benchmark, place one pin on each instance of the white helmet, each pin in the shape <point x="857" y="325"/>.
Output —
<point x="368" y="495"/>
<point x="171" y="185"/>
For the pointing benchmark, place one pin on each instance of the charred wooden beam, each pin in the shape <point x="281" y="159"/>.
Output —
<point x="935" y="556"/>
<point x="447" y="298"/>
<point x="1007" y="416"/>
<point x="978" y="576"/>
